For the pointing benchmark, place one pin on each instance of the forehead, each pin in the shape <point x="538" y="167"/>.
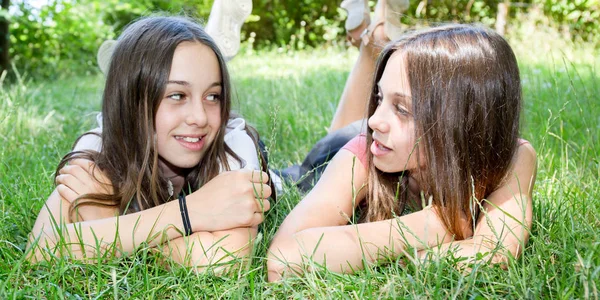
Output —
<point x="395" y="75"/>
<point x="194" y="59"/>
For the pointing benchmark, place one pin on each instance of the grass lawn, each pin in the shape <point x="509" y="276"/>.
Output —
<point x="290" y="98"/>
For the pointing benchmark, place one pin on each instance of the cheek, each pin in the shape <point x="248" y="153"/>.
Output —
<point x="213" y="114"/>
<point x="165" y="121"/>
<point x="408" y="148"/>
<point x="161" y="124"/>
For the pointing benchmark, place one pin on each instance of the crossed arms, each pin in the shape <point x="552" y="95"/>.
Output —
<point x="316" y="230"/>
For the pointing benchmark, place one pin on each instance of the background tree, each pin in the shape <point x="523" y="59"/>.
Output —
<point x="61" y="37"/>
<point x="4" y="37"/>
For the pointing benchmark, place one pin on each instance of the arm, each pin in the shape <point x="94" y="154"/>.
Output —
<point x="505" y="219"/>
<point x="316" y="227"/>
<point x="212" y="208"/>
<point x="54" y="234"/>
<point x="221" y="249"/>
<point x="346" y="248"/>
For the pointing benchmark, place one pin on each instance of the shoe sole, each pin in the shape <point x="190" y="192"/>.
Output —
<point x="357" y="13"/>
<point x="232" y="16"/>
<point x="394" y="10"/>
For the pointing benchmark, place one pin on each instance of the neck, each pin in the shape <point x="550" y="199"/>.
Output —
<point x="174" y="174"/>
<point x="414" y="185"/>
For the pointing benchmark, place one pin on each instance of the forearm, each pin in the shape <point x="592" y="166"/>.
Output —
<point x="118" y="235"/>
<point x="501" y="231"/>
<point x="222" y="249"/>
<point x="481" y="248"/>
<point x="347" y="248"/>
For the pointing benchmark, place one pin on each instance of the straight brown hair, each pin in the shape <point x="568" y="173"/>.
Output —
<point x="135" y="84"/>
<point x="466" y="100"/>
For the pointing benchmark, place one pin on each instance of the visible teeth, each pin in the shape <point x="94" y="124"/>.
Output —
<point x="382" y="147"/>
<point x="189" y="139"/>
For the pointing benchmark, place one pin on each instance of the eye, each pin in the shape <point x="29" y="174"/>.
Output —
<point x="213" y="97"/>
<point x="400" y="110"/>
<point x="379" y="97"/>
<point x="176" y="96"/>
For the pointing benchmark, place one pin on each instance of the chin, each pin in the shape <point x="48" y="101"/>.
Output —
<point x="386" y="167"/>
<point x="183" y="163"/>
<point x="190" y="164"/>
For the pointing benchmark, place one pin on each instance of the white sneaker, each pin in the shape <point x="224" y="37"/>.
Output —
<point x="105" y="55"/>
<point x="225" y="23"/>
<point x="358" y="13"/>
<point x="394" y="10"/>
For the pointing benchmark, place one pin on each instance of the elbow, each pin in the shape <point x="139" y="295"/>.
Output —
<point x="504" y="256"/>
<point x="284" y="259"/>
<point x="218" y="253"/>
<point x="277" y="263"/>
<point x="40" y="247"/>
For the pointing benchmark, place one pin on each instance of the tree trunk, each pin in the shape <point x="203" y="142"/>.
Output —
<point x="4" y="39"/>
<point x="502" y="17"/>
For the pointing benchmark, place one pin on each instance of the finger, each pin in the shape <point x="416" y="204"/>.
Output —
<point x="74" y="170"/>
<point x="257" y="218"/>
<point x="85" y="164"/>
<point x="262" y="190"/>
<point x="90" y="167"/>
<point x="259" y="176"/>
<point x="263" y="205"/>
<point x="66" y="193"/>
<point x="71" y="182"/>
<point x="86" y="181"/>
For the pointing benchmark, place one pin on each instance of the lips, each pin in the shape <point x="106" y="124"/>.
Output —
<point x="378" y="149"/>
<point x="191" y="142"/>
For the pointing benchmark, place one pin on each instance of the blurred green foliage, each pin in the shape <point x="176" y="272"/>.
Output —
<point x="296" y="24"/>
<point x="579" y="17"/>
<point x="62" y="36"/>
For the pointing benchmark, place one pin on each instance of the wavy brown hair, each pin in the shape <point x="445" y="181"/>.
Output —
<point x="135" y="85"/>
<point x="466" y="100"/>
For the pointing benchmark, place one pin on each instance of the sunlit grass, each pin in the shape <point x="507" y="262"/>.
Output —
<point x="290" y="98"/>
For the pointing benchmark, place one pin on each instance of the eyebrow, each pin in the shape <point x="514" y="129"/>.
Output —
<point x="186" y="83"/>
<point x="396" y="94"/>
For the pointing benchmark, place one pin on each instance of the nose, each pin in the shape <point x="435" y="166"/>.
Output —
<point x="196" y="114"/>
<point x="378" y="121"/>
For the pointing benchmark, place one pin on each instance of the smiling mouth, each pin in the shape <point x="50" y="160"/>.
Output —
<point x="192" y="143"/>
<point x="381" y="146"/>
<point x="188" y="139"/>
<point x="378" y="149"/>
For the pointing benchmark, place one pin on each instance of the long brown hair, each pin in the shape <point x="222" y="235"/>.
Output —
<point x="466" y="99"/>
<point x="135" y="84"/>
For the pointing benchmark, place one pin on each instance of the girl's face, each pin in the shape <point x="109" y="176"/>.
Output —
<point x="189" y="115"/>
<point x="392" y="122"/>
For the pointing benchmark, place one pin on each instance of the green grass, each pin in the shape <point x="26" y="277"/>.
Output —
<point x="290" y="98"/>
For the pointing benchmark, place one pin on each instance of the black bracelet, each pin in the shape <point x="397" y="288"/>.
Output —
<point x="184" y="214"/>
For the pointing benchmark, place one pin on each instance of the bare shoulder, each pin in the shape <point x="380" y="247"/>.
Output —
<point x="81" y="177"/>
<point x="525" y="154"/>
<point x="344" y="178"/>
<point x="520" y="180"/>
<point x="524" y="169"/>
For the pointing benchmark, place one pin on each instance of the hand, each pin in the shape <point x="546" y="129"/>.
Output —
<point x="81" y="177"/>
<point x="230" y="200"/>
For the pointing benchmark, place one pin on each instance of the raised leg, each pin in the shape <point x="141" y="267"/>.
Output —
<point x="353" y="102"/>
